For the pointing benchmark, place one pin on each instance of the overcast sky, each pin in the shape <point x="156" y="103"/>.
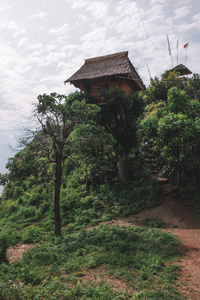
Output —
<point x="43" y="42"/>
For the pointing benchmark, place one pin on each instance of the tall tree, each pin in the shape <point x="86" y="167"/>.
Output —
<point x="57" y="117"/>
<point x="120" y="112"/>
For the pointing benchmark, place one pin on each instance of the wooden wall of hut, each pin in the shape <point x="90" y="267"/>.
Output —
<point x="96" y="86"/>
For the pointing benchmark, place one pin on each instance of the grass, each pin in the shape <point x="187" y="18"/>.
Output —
<point x="153" y="222"/>
<point x="139" y="257"/>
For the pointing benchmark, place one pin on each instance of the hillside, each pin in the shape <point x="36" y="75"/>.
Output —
<point x="169" y="214"/>
<point x="101" y="199"/>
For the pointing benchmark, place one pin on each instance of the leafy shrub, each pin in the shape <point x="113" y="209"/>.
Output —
<point x="8" y="207"/>
<point x="3" y="247"/>
<point x="40" y="257"/>
<point x="24" y="214"/>
<point x="32" y="276"/>
<point x="32" y="234"/>
<point x="8" y="238"/>
<point x="154" y="222"/>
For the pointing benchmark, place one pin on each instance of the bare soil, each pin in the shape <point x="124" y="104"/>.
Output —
<point x="14" y="253"/>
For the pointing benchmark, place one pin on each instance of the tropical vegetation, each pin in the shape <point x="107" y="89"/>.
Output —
<point x="82" y="165"/>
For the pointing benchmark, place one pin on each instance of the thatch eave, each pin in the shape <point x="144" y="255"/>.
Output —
<point x="113" y="65"/>
<point x="183" y="70"/>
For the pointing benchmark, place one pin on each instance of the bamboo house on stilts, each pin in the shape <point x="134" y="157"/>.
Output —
<point x="105" y="72"/>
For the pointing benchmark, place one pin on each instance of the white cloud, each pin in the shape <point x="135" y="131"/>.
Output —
<point x="79" y="3"/>
<point x="196" y="18"/>
<point x="5" y="7"/>
<point x="34" y="46"/>
<point x="39" y="14"/>
<point x="14" y="27"/>
<point x="153" y="2"/>
<point x="96" y="34"/>
<point x="23" y="42"/>
<point x="182" y="12"/>
<point x="183" y="2"/>
<point x="54" y="57"/>
<point x="60" y="30"/>
<point x="83" y="17"/>
<point x="98" y="9"/>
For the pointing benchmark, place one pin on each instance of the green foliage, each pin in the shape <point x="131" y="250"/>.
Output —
<point x="31" y="234"/>
<point x="3" y="179"/>
<point x="158" y="88"/>
<point x="90" y="193"/>
<point x="153" y="222"/>
<point x="178" y="102"/>
<point x="103" y="198"/>
<point x="109" y="200"/>
<point x="174" y="132"/>
<point x="22" y="165"/>
<point x="56" y="290"/>
<point x="193" y="87"/>
<point x="120" y="115"/>
<point x="89" y="168"/>
<point x="134" y="255"/>
<point x="59" y="117"/>
<point x="31" y="205"/>
<point x="8" y="237"/>
<point x="179" y="138"/>
<point x="3" y="247"/>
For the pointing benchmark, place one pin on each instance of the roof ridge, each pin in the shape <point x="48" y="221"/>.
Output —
<point x="106" y="57"/>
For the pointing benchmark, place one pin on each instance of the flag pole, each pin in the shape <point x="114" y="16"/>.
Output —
<point x="172" y="61"/>
<point x="186" y="48"/>
<point x="169" y="49"/>
<point x="148" y="70"/>
<point x="186" y="55"/>
<point x="177" y="49"/>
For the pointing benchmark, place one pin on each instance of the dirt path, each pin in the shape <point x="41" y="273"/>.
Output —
<point x="179" y="220"/>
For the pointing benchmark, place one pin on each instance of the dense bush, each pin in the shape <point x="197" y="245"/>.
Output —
<point x="3" y="247"/>
<point x="174" y="134"/>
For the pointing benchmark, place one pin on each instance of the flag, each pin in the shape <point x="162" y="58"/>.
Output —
<point x="169" y="49"/>
<point x="185" y="46"/>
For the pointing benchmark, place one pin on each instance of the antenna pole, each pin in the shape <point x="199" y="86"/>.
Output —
<point x="186" y="55"/>
<point x="169" y="49"/>
<point x="177" y="49"/>
<point x="172" y="61"/>
<point x="148" y="70"/>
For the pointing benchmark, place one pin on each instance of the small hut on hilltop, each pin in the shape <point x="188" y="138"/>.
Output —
<point x="104" y="72"/>
<point x="182" y="70"/>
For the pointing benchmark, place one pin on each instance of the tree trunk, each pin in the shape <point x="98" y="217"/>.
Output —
<point x="122" y="166"/>
<point x="58" y="180"/>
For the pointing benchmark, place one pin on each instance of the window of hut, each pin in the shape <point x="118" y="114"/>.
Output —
<point x="105" y="87"/>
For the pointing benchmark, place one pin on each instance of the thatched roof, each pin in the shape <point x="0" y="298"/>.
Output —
<point x="117" y="64"/>
<point x="183" y="70"/>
